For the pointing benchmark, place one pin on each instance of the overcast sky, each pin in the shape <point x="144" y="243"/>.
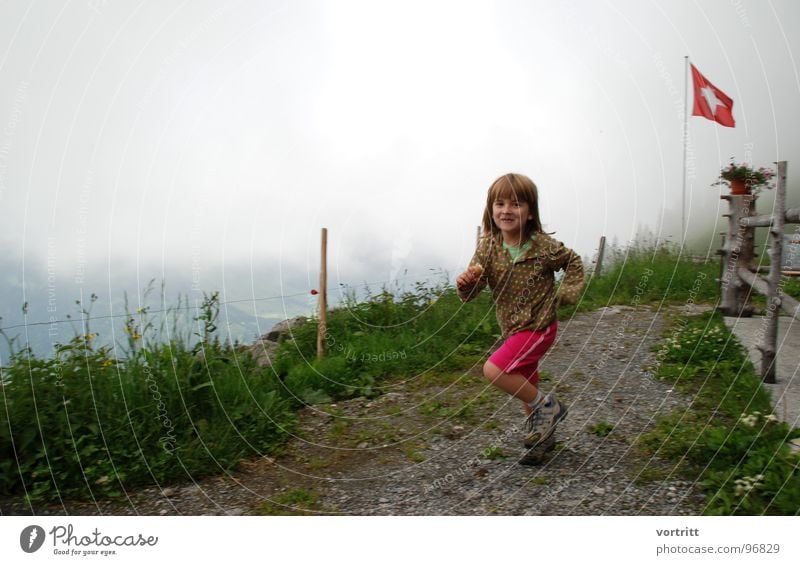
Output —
<point x="195" y="139"/>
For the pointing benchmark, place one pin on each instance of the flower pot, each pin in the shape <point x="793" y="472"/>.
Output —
<point x="739" y="187"/>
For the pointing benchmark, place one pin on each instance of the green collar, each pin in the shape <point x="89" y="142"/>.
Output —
<point x="517" y="252"/>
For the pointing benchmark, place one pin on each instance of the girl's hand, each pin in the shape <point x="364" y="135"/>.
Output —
<point x="469" y="278"/>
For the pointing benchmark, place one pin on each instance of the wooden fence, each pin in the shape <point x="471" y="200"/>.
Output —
<point x="739" y="277"/>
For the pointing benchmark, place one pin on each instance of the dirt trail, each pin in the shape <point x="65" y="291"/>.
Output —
<point x="449" y="444"/>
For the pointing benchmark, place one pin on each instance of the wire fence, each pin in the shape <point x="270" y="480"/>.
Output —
<point x="196" y="307"/>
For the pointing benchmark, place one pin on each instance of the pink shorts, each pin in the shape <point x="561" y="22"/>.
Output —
<point x="521" y="352"/>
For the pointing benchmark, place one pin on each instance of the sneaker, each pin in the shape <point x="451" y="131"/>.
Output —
<point x="536" y="455"/>
<point x="542" y="422"/>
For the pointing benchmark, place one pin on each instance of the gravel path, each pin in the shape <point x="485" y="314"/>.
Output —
<point x="444" y="444"/>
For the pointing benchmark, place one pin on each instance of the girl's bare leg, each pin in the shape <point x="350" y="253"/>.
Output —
<point x="513" y="383"/>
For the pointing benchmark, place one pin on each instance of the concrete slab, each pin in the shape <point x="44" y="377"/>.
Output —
<point x="786" y="392"/>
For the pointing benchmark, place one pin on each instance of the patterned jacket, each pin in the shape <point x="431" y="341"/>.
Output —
<point x="525" y="293"/>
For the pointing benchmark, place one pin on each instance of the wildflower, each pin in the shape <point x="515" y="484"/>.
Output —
<point x="749" y="420"/>
<point x="747" y="484"/>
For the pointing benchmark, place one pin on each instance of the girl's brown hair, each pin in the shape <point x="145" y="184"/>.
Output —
<point x="517" y="187"/>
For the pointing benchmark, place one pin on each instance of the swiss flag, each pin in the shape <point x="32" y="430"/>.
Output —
<point x="710" y="102"/>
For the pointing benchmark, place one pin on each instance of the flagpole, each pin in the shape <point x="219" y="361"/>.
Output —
<point x="685" y="130"/>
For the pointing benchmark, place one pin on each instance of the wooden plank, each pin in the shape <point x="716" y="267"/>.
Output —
<point x="791" y="216"/>
<point x="788" y="304"/>
<point x="762" y="221"/>
<point x="753" y="280"/>
<point x="783" y="273"/>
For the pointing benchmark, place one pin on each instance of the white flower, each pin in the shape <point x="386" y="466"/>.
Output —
<point x="745" y="485"/>
<point x="749" y="420"/>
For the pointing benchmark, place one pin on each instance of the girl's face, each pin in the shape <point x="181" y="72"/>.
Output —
<point x="510" y="215"/>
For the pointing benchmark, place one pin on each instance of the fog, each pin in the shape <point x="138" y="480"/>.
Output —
<point x="206" y="145"/>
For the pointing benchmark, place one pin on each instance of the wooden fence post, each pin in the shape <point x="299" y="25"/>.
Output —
<point x="323" y="295"/>
<point x="769" y="346"/>
<point x="737" y="253"/>
<point x="600" y="251"/>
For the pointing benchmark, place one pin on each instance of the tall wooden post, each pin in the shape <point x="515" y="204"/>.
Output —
<point x="323" y="295"/>
<point x="737" y="252"/>
<point x="600" y="252"/>
<point x="769" y="346"/>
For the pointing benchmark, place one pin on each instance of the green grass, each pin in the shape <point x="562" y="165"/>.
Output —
<point x="408" y="334"/>
<point x="494" y="452"/>
<point x="85" y="423"/>
<point x="601" y="429"/>
<point x="791" y="286"/>
<point x="725" y="438"/>
<point x="649" y="275"/>
<point x="295" y="502"/>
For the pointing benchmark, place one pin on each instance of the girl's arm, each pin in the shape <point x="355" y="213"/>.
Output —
<point x="573" y="281"/>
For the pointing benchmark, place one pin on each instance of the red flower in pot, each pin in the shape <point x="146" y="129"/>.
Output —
<point x="743" y="179"/>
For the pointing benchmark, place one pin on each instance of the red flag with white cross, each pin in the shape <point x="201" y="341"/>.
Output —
<point x="710" y="102"/>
